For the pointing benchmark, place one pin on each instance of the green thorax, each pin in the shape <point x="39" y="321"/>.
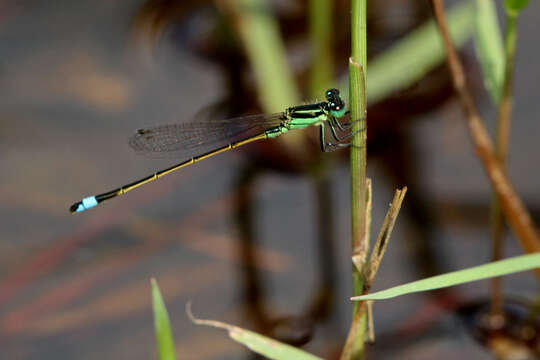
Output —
<point x="302" y="116"/>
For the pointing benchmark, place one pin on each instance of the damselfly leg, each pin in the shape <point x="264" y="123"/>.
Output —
<point x="330" y="146"/>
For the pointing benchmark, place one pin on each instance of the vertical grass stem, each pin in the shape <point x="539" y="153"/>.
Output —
<point x="501" y="152"/>
<point x="358" y="111"/>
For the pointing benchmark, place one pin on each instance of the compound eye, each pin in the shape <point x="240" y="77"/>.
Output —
<point x="335" y="106"/>
<point x="332" y="94"/>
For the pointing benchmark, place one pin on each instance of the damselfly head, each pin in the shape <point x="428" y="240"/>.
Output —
<point x="331" y="94"/>
<point x="335" y="103"/>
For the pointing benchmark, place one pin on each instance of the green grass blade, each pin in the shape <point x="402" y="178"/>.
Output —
<point x="489" y="47"/>
<point x="497" y="268"/>
<point x="260" y="344"/>
<point x="411" y="58"/>
<point x="268" y="347"/>
<point x="263" y="43"/>
<point x="164" y="338"/>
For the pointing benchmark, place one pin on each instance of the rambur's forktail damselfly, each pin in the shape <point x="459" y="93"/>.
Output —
<point x="228" y="134"/>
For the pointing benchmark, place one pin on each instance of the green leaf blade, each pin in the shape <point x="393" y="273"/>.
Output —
<point x="411" y="58"/>
<point x="494" y="269"/>
<point x="268" y="347"/>
<point x="488" y="44"/>
<point x="260" y="344"/>
<point x="164" y="337"/>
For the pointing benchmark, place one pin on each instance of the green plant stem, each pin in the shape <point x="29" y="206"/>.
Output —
<point x="358" y="105"/>
<point x="501" y="152"/>
<point x="360" y="317"/>
<point x="320" y="33"/>
<point x="357" y="329"/>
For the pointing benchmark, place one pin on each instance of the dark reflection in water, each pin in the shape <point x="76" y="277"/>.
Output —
<point x="259" y="240"/>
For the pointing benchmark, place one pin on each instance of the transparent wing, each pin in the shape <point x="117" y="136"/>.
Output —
<point x="198" y="137"/>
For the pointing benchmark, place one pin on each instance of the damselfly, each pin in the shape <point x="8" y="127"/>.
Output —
<point x="223" y="135"/>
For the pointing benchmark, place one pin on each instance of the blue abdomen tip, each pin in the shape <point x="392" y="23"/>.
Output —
<point x="84" y="204"/>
